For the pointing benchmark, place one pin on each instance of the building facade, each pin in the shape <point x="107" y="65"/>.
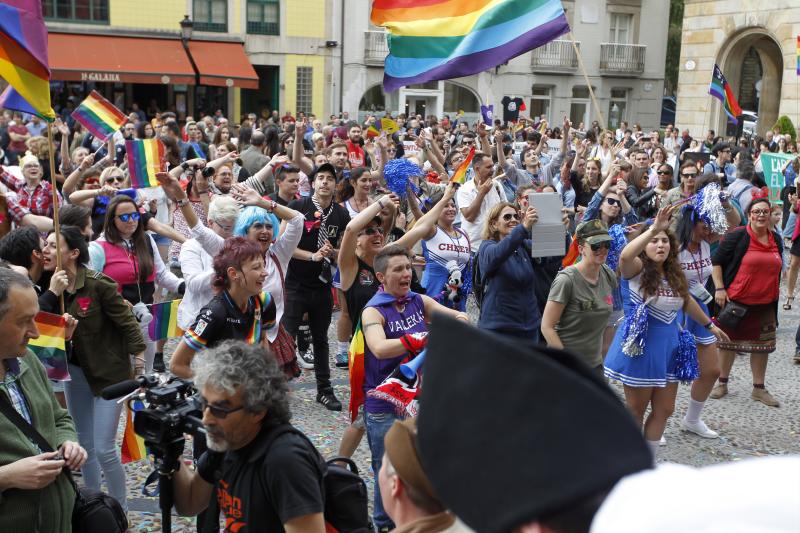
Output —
<point x="754" y="44"/>
<point x="622" y="44"/>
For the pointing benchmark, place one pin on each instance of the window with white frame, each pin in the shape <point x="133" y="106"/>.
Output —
<point x="540" y="102"/>
<point x="617" y="107"/>
<point x="620" y="28"/>
<point x="579" y="106"/>
<point x="305" y="78"/>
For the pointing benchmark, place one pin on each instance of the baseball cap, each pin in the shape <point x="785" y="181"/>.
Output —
<point x="592" y="232"/>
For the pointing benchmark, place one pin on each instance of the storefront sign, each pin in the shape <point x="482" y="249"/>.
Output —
<point x="100" y="76"/>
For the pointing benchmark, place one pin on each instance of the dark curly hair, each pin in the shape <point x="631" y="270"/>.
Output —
<point x="672" y="271"/>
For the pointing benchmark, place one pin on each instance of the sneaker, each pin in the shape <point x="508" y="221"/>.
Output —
<point x="797" y="357"/>
<point x="342" y="360"/>
<point x="763" y="396"/>
<point x="158" y="363"/>
<point x="699" y="428"/>
<point x="329" y="401"/>
<point x="719" y="391"/>
<point x="303" y="338"/>
<point x="306" y="359"/>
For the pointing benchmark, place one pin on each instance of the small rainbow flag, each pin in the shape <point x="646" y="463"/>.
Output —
<point x="798" y="55"/>
<point x="721" y="90"/>
<point x="50" y="346"/>
<point x="99" y="116"/>
<point x="146" y="158"/>
<point x="386" y="125"/>
<point x="165" y="321"/>
<point x="23" y="57"/>
<point x="460" y="175"/>
<point x="133" y="448"/>
<point x="355" y="359"/>
<point x="442" y="39"/>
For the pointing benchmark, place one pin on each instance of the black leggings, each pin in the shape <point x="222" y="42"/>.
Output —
<point x="318" y="304"/>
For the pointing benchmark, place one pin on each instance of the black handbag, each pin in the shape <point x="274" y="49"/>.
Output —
<point x="732" y="314"/>
<point x="94" y="510"/>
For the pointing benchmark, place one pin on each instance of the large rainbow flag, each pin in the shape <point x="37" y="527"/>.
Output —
<point x="50" y="346"/>
<point x="721" y="90"/>
<point x="146" y="158"/>
<point x="165" y="321"/>
<point x="99" y="116"/>
<point x="442" y="39"/>
<point x="133" y="448"/>
<point x="23" y="57"/>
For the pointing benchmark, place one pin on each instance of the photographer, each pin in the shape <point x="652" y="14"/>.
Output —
<point x="260" y="484"/>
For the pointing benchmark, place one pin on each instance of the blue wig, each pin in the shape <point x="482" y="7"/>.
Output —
<point x="251" y="215"/>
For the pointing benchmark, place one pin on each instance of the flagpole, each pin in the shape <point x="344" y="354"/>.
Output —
<point x="56" y="229"/>
<point x="586" y="78"/>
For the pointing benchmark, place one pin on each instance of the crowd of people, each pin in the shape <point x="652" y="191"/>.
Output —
<point x="268" y="228"/>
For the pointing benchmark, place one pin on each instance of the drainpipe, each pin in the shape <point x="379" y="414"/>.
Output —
<point x="341" y="58"/>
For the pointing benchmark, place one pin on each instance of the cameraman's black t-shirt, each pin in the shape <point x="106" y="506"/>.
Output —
<point x="259" y="490"/>
<point x="306" y="273"/>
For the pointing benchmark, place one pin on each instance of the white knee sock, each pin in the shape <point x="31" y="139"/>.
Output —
<point x="653" y="448"/>
<point x="343" y="346"/>
<point x="694" y="410"/>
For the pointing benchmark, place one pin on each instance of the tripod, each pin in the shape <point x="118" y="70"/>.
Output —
<point x="167" y="457"/>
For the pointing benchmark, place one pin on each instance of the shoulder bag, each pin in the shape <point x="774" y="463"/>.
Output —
<point x="94" y="511"/>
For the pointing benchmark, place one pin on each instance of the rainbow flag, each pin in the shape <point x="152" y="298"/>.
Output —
<point x="386" y="124"/>
<point x="442" y="39"/>
<point x="99" y="116"/>
<point x="146" y="157"/>
<point x="133" y="448"/>
<point x="460" y="175"/>
<point x="23" y="57"/>
<point x="165" y="321"/>
<point x="355" y="359"/>
<point x="721" y="90"/>
<point x="50" y="346"/>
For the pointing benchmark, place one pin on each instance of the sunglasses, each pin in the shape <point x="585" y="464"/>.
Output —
<point x="372" y="231"/>
<point x="510" y="216"/>
<point x="689" y="175"/>
<point x="119" y="179"/>
<point x="91" y="181"/>
<point x="216" y="411"/>
<point x="665" y="173"/>
<point x="596" y="247"/>
<point x="127" y="217"/>
<point x="613" y="201"/>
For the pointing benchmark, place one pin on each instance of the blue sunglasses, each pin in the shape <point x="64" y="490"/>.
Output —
<point x="127" y="217"/>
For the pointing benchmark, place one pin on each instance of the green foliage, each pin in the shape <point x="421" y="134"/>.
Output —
<point x="671" y="67"/>
<point x="784" y="126"/>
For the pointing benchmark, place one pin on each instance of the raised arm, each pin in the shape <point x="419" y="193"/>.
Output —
<point x="629" y="263"/>
<point x="298" y="156"/>
<point x="492" y="255"/>
<point x="424" y="228"/>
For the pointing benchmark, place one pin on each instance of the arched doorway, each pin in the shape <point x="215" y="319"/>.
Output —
<point x="752" y="62"/>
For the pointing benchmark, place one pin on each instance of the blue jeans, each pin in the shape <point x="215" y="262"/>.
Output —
<point x="96" y="421"/>
<point x="378" y="425"/>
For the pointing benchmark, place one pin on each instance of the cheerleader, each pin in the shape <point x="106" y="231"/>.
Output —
<point x="643" y="354"/>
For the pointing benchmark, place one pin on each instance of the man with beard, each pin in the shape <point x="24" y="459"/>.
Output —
<point x="336" y="154"/>
<point x="355" y="152"/>
<point x="309" y="277"/>
<point x="261" y="482"/>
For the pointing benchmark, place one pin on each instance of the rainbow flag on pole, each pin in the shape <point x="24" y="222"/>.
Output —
<point x="165" y="321"/>
<point x="460" y="175"/>
<point x="146" y="158"/>
<point x="50" y="346"/>
<point x="442" y="39"/>
<point x="721" y="90"/>
<point x="23" y="58"/>
<point x="133" y="448"/>
<point x="99" y="116"/>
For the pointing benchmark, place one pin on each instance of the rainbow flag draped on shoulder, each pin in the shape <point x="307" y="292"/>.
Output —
<point x="146" y="158"/>
<point x="721" y="90"/>
<point x="99" y="116"/>
<point x="23" y="58"/>
<point x="50" y="346"/>
<point x="442" y="39"/>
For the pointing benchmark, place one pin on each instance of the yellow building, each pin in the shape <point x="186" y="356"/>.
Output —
<point x="236" y="56"/>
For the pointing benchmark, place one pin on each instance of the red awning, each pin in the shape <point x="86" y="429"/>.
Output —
<point x="223" y="64"/>
<point x="104" y="58"/>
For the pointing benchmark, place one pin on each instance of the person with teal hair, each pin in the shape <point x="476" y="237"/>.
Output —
<point x="253" y="218"/>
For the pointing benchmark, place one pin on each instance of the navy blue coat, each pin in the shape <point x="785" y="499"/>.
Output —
<point x="509" y="301"/>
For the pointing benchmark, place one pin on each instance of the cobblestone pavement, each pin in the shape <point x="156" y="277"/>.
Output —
<point x="747" y="428"/>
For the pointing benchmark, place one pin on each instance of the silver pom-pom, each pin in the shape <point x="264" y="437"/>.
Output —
<point x="709" y="207"/>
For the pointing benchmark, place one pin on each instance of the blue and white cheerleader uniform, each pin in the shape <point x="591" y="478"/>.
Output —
<point x="697" y="269"/>
<point x="656" y="365"/>
<point x="438" y="251"/>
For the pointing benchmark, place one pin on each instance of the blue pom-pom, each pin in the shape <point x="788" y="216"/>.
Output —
<point x="618" y="242"/>
<point x="635" y="332"/>
<point x="686" y="367"/>
<point x="397" y="173"/>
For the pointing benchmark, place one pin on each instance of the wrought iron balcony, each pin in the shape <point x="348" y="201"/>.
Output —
<point x="375" y="47"/>
<point x="555" y="55"/>
<point x="616" y="58"/>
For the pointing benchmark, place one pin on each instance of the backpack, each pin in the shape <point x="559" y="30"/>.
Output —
<point x="345" y="492"/>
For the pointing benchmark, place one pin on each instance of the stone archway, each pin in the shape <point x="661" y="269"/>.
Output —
<point x="731" y="56"/>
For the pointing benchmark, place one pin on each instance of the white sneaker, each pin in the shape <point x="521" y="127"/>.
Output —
<point x="663" y="441"/>
<point x="699" y="428"/>
<point x="306" y="359"/>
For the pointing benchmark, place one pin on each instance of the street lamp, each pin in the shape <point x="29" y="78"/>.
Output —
<point x="187" y="29"/>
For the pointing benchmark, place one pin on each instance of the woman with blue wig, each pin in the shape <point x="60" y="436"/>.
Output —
<point x="260" y="221"/>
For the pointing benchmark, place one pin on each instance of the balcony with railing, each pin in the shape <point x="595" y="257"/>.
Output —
<point x="554" y="56"/>
<point x="623" y="59"/>
<point x="376" y="48"/>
